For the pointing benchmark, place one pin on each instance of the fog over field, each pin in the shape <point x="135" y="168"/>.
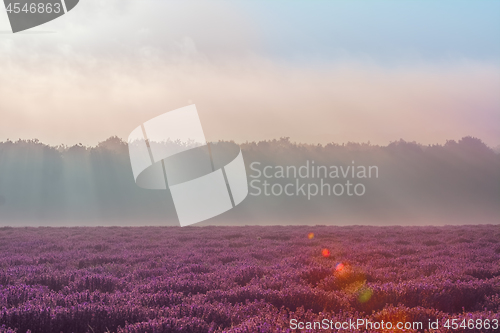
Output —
<point x="402" y="183"/>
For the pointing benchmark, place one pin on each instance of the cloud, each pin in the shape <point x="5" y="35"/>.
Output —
<point x="252" y="99"/>
<point x="136" y="60"/>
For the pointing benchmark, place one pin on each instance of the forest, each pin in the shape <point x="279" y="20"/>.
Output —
<point x="454" y="183"/>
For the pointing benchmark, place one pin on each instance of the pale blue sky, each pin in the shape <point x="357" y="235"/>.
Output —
<point x="378" y="71"/>
<point x="385" y="31"/>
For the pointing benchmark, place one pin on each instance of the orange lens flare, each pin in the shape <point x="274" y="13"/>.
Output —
<point x="325" y="253"/>
<point x="339" y="267"/>
<point x="310" y="235"/>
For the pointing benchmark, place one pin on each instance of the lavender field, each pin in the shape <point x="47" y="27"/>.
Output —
<point x="244" y="279"/>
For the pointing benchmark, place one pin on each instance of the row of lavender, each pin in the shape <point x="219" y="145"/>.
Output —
<point x="244" y="279"/>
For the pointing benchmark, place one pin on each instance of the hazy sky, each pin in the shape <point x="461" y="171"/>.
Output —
<point x="316" y="71"/>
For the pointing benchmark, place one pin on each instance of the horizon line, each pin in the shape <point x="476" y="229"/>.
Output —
<point x="281" y="139"/>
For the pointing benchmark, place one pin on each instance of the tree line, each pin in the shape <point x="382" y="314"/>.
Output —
<point x="457" y="182"/>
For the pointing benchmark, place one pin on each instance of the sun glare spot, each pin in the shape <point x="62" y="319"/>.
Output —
<point x="339" y="267"/>
<point x="325" y="253"/>
<point x="310" y="235"/>
<point x="365" y="295"/>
